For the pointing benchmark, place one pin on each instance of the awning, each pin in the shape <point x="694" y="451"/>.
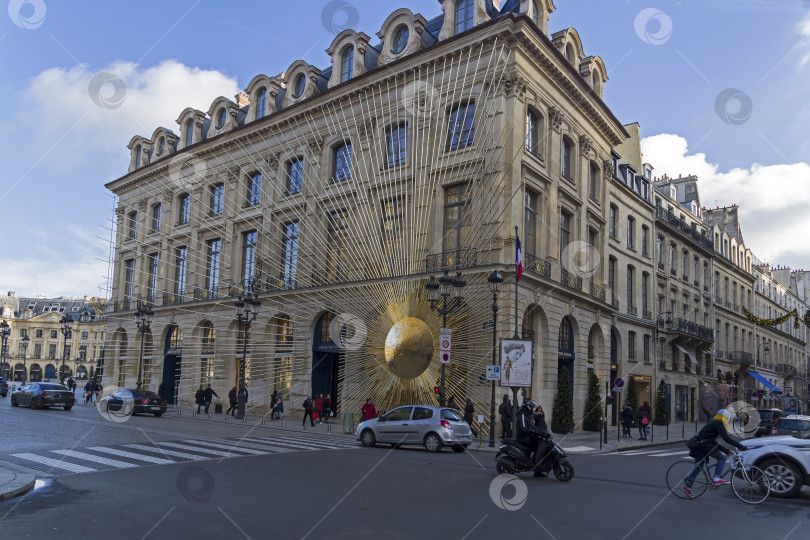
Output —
<point x="688" y="354"/>
<point x="764" y="381"/>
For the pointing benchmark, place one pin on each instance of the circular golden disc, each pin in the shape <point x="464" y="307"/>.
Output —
<point x="409" y="348"/>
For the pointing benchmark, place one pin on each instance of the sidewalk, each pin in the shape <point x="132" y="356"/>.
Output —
<point x="14" y="484"/>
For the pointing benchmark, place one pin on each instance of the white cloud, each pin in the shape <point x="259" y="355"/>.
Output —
<point x="773" y="200"/>
<point x="804" y="30"/>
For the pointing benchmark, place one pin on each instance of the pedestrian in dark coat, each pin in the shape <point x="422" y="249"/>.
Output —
<point x="469" y="412"/>
<point x="627" y="420"/>
<point x="161" y="389"/>
<point x="308" y="412"/>
<point x="232" y="401"/>
<point x="327" y="408"/>
<point x="199" y="398"/>
<point x="505" y="410"/>
<point x="209" y="393"/>
<point x="88" y="392"/>
<point x="452" y="403"/>
<point x="369" y="411"/>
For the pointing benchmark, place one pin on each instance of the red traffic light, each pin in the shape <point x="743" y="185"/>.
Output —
<point x="436" y="390"/>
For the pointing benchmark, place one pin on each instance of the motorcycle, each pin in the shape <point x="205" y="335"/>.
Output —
<point x="514" y="457"/>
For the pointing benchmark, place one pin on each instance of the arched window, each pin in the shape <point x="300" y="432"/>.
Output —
<point x="36" y="373"/>
<point x="527" y="329"/>
<point x="137" y="156"/>
<point x="221" y="115"/>
<point x="464" y="15"/>
<point x="569" y="53"/>
<point x="596" y="82"/>
<point x="565" y="341"/>
<point x="400" y="39"/>
<point x="189" y="131"/>
<point x="175" y="338"/>
<point x="535" y="13"/>
<point x="161" y="145"/>
<point x="122" y="346"/>
<point x="300" y="84"/>
<point x="347" y="64"/>
<point x="261" y="103"/>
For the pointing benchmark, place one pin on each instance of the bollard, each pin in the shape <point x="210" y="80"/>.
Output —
<point x="210" y="416"/>
<point x="652" y="432"/>
<point x="667" y="430"/>
<point x="244" y="419"/>
<point x="329" y="428"/>
<point x="283" y="423"/>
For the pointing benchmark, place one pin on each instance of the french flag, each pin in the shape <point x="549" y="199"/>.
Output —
<point x="519" y="260"/>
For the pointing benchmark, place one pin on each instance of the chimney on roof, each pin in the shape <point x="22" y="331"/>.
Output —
<point x="242" y="100"/>
<point x="10" y="294"/>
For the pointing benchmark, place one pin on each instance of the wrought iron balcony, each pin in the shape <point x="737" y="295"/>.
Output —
<point x="570" y="280"/>
<point x="598" y="292"/>
<point x="742" y="357"/>
<point x="685" y="277"/>
<point x="736" y="307"/>
<point x="728" y="304"/>
<point x="538" y="266"/>
<point x="632" y="310"/>
<point x="204" y="294"/>
<point x="669" y="217"/>
<point x="673" y="272"/>
<point x="786" y="369"/>
<point x="692" y="329"/>
<point x="661" y="266"/>
<point x="173" y="298"/>
<point x="647" y="314"/>
<point x="696" y="283"/>
<point x="615" y="303"/>
<point x="452" y="260"/>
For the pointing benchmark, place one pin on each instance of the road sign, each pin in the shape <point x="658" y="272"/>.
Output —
<point x="754" y="396"/>
<point x="445" y="357"/>
<point x="445" y="340"/>
<point x="493" y="373"/>
<point x="619" y="382"/>
<point x="618" y="389"/>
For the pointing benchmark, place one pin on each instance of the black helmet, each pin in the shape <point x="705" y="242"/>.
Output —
<point x="528" y="406"/>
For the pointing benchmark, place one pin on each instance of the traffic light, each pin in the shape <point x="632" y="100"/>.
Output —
<point x="436" y="390"/>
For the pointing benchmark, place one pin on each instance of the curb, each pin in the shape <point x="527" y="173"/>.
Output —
<point x="20" y="485"/>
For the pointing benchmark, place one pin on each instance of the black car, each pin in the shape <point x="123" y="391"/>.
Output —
<point x="43" y="395"/>
<point x="134" y="401"/>
<point x="3" y="387"/>
<point x="767" y="419"/>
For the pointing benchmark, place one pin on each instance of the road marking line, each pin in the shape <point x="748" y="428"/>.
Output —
<point x="96" y="459"/>
<point x="295" y="443"/>
<point x="163" y="451"/>
<point x="318" y="444"/>
<point x="228" y="447"/>
<point x="201" y="450"/>
<point x="637" y="453"/>
<point x="130" y="455"/>
<point x="680" y="452"/>
<point x="265" y="446"/>
<point x="57" y="463"/>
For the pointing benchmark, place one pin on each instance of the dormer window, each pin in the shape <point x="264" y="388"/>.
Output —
<point x="400" y="39"/>
<point x="221" y="115"/>
<point x="189" y="131"/>
<point x="298" y="87"/>
<point x="161" y="146"/>
<point x="347" y="64"/>
<point x="261" y="103"/>
<point x="535" y="13"/>
<point x="569" y="53"/>
<point x="138" y="156"/>
<point x="464" y="15"/>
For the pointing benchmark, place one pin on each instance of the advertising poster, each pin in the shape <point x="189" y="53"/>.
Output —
<point x="516" y="363"/>
<point x="789" y="405"/>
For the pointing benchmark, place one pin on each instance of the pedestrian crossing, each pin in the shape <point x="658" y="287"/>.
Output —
<point x="652" y="453"/>
<point x="126" y="456"/>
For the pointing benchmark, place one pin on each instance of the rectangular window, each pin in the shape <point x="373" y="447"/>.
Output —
<point x="645" y="234"/>
<point x="565" y="232"/>
<point x="461" y="127"/>
<point x="343" y="163"/>
<point x="156" y="218"/>
<point x="153" y="273"/>
<point x="217" y="193"/>
<point x="52" y="352"/>
<point x="212" y="267"/>
<point x="672" y="262"/>
<point x="38" y="334"/>
<point x="631" y="232"/>
<point x="593" y="182"/>
<point x="396" y="145"/>
<point x="567" y="159"/>
<point x="85" y="335"/>
<point x="185" y="202"/>
<point x="295" y="176"/>
<point x="181" y="269"/>
<point x="336" y="236"/>
<point x="23" y="332"/>
<point x="37" y="350"/>
<point x="659" y="245"/>
<point x="129" y="276"/>
<point x="645" y="282"/>
<point x="464" y="15"/>
<point x="456" y="224"/>
<point x="132" y="225"/>
<point x="695" y="269"/>
<point x="630" y="295"/>
<point x="533" y="133"/>
<point x="612" y="279"/>
<point x="391" y="225"/>
<point x="613" y="212"/>
<point x="685" y="265"/>
<point x="290" y="253"/>
<point x="66" y="352"/>
<point x="631" y="345"/>
<point x="254" y="192"/>
<point x="530" y="222"/>
<point x="646" y="348"/>
<point x="54" y="334"/>
<point x="248" y="256"/>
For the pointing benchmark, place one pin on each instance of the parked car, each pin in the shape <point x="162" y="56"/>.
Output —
<point x="432" y="427"/>
<point x="798" y="426"/>
<point x="786" y="461"/>
<point x="43" y="395"/>
<point x="3" y="387"/>
<point x="133" y="401"/>
<point x="767" y="419"/>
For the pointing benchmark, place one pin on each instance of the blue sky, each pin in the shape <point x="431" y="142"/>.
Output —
<point x="58" y="147"/>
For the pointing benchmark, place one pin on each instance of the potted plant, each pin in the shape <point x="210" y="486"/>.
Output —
<point x="593" y="404"/>
<point x="661" y="414"/>
<point x="562" y="414"/>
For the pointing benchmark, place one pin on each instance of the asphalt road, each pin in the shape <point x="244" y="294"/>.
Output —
<point x="304" y="490"/>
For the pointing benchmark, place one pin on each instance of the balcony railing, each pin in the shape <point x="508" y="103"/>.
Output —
<point x="728" y="304"/>
<point x="742" y="357"/>
<point x="173" y="298"/>
<point x="632" y="310"/>
<point x="696" y="283"/>
<point x="598" y="291"/>
<point x="452" y="260"/>
<point x="693" y="329"/>
<point x="570" y="280"/>
<point x="661" y="266"/>
<point x="647" y="314"/>
<point x="538" y="266"/>
<point x="673" y="272"/>
<point x="736" y="308"/>
<point x="204" y="294"/>
<point x="669" y="216"/>
<point x="685" y="278"/>
<point x="786" y="369"/>
<point x="615" y="303"/>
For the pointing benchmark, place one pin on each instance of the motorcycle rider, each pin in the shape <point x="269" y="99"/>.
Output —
<point x="528" y="434"/>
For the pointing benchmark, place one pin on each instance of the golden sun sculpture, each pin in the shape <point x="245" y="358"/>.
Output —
<point x="409" y="348"/>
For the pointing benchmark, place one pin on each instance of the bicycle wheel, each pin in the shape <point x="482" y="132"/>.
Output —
<point x="676" y="480"/>
<point x="751" y="485"/>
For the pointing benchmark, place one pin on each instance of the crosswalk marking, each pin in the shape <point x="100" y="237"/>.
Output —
<point x="680" y="452"/>
<point x="56" y="463"/>
<point x="638" y="453"/>
<point x="316" y="444"/>
<point x="231" y="447"/>
<point x="264" y="444"/>
<point x="130" y="455"/>
<point x="95" y="459"/>
<point x="166" y="452"/>
<point x="211" y="451"/>
<point x="295" y="444"/>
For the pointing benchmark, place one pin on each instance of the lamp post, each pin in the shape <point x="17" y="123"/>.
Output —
<point x="5" y="333"/>
<point x="143" y="318"/>
<point x="448" y="285"/>
<point x="247" y="308"/>
<point x="25" y="341"/>
<point x="495" y="279"/>
<point x="80" y="358"/>
<point x="66" y="324"/>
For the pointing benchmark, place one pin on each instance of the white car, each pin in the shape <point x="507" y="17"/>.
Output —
<point x="785" y="459"/>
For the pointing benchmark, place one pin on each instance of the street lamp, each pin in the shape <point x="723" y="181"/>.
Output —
<point x="449" y="286"/>
<point x="67" y="325"/>
<point x="25" y="341"/>
<point x="495" y="279"/>
<point x="80" y="358"/>
<point x="143" y="318"/>
<point x="766" y="349"/>
<point x="5" y="332"/>
<point x="247" y="308"/>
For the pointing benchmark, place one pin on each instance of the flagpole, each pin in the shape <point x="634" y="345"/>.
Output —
<point x="517" y="239"/>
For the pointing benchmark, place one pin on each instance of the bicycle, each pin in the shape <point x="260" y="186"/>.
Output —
<point x="750" y="484"/>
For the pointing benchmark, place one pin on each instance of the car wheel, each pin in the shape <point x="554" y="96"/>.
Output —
<point x="432" y="442"/>
<point x="33" y="404"/>
<point x="158" y="414"/>
<point x="459" y="448"/>
<point x="367" y="438"/>
<point x="785" y="479"/>
<point x="14" y="402"/>
<point x="68" y="407"/>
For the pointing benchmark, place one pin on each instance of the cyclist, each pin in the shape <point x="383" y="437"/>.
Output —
<point x="708" y="447"/>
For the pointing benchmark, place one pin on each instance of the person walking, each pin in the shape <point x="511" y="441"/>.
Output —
<point x="308" y="412"/>
<point x="160" y="391"/>
<point x="319" y="407"/>
<point x="232" y="401"/>
<point x="209" y="393"/>
<point x="199" y="398"/>
<point x="88" y="392"/>
<point x="279" y="408"/>
<point x="71" y="384"/>
<point x="627" y="420"/>
<point x="643" y="421"/>
<point x="469" y="412"/>
<point x="505" y="410"/>
<point x="368" y="410"/>
<point x="327" y="408"/>
<point x="98" y="388"/>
